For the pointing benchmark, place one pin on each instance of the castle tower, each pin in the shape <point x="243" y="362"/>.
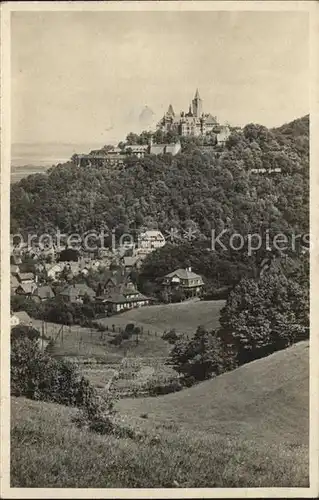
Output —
<point x="197" y="105"/>
<point x="170" y="111"/>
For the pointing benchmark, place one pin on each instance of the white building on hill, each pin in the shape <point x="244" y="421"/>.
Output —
<point x="148" y="241"/>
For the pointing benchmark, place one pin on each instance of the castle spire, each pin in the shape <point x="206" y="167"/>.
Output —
<point x="197" y="105"/>
<point x="170" y="110"/>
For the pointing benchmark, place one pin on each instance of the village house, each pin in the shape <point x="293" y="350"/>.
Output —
<point x="42" y="293"/>
<point x="121" y="299"/>
<point x="115" y="279"/>
<point x="130" y="262"/>
<point x="265" y="170"/>
<point x="184" y="279"/>
<point x="148" y="241"/>
<point x="25" y="289"/>
<point x="14" y="283"/>
<point x="15" y="259"/>
<point x="26" y="278"/>
<point x="137" y="150"/>
<point x="14" y="320"/>
<point x="14" y="269"/>
<point x="53" y="271"/>
<point x="77" y="292"/>
<point x="20" y="318"/>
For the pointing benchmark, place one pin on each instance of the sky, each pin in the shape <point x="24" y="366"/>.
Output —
<point x="84" y="77"/>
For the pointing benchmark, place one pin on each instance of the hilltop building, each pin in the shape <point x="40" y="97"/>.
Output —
<point x="194" y="122"/>
<point x="116" y="156"/>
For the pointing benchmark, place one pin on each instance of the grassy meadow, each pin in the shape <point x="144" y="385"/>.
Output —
<point x="247" y="428"/>
<point x="185" y="317"/>
<point x="136" y="363"/>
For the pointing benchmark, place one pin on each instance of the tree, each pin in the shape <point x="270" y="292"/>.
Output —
<point x="263" y="316"/>
<point x="201" y="357"/>
<point x="23" y="331"/>
<point x="37" y="375"/>
<point x="171" y="336"/>
<point x="69" y="255"/>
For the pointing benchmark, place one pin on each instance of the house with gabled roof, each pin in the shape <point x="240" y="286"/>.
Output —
<point x="14" y="283"/>
<point x="77" y="292"/>
<point x="42" y="293"/>
<point x="114" y="279"/>
<point x="25" y="278"/>
<point x="122" y="298"/>
<point x="22" y="317"/>
<point x="184" y="279"/>
<point x="14" y="269"/>
<point x="148" y="241"/>
<point x="131" y="262"/>
<point x="25" y="289"/>
<point x="15" y="259"/>
<point x="53" y="271"/>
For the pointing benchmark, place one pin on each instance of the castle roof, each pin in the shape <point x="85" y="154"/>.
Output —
<point x="197" y="94"/>
<point x="170" y="110"/>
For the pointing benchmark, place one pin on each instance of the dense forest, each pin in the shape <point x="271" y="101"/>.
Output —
<point x="199" y="190"/>
<point x="195" y="189"/>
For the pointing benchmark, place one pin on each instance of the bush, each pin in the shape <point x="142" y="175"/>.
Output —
<point x="170" y="336"/>
<point x="37" y="375"/>
<point x="216" y="293"/>
<point x="265" y="315"/>
<point x="21" y="303"/>
<point x="201" y="357"/>
<point x="23" y="331"/>
<point x="117" y="339"/>
<point x="156" y="389"/>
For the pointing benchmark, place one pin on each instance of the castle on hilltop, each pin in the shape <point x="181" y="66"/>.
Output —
<point x="195" y="122"/>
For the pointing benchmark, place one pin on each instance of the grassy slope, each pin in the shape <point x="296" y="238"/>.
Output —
<point x="266" y="398"/>
<point x="86" y="343"/>
<point x="185" y="317"/>
<point x="243" y="429"/>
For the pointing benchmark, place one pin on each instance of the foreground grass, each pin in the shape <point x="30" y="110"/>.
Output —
<point x="268" y="399"/>
<point x="246" y="428"/>
<point x="49" y="451"/>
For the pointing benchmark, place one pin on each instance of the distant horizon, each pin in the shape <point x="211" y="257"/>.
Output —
<point x="90" y="143"/>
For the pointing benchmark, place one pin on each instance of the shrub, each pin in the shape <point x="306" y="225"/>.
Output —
<point x="201" y="357"/>
<point x="265" y="315"/>
<point x="23" y="331"/>
<point x="21" y="303"/>
<point x="37" y="375"/>
<point x="156" y="389"/>
<point x="170" y="336"/>
<point x="216" y="293"/>
<point x="117" y="339"/>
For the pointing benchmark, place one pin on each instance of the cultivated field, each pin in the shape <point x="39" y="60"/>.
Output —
<point x="137" y="363"/>
<point x="248" y="428"/>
